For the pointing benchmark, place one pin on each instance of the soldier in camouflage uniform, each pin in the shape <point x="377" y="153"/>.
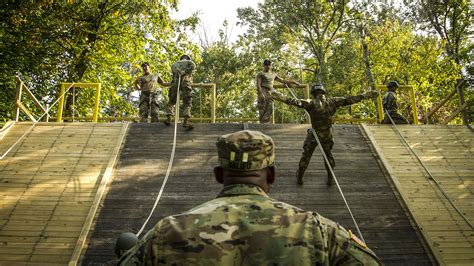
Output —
<point x="183" y="68"/>
<point x="146" y="83"/>
<point x="243" y="225"/>
<point x="264" y="82"/>
<point x="321" y="111"/>
<point x="390" y="106"/>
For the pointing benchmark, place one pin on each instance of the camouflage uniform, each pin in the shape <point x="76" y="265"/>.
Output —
<point x="389" y="103"/>
<point x="265" y="105"/>
<point x="244" y="226"/>
<point x="148" y="97"/>
<point x="321" y="114"/>
<point x="184" y="68"/>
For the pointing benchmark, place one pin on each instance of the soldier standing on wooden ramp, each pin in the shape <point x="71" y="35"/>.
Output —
<point x="182" y="71"/>
<point x="146" y="83"/>
<point x="321" y="111"/>
<point x="264" y="82"/>
<point x="390" y="106"/>
<point x="243" y="225"/>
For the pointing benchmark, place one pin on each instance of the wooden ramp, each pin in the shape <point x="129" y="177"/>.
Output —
<point x="144" y="158"/>
<point x="448" y="154"/>
<point x="48" y="184"/>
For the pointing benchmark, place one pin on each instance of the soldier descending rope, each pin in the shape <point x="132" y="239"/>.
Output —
<point x="182" y="74"/>
<point x="146" y="83"/>
<point x="264" y="86"/>
<point x="243" y="225"/>
<point x="321" y="111"/>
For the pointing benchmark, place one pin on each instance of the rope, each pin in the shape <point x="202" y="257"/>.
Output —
<point x="34" y="123"/>
<point x="326" y="160"/>
<point x="428" y="172"/>
<point x="170" y="164"/>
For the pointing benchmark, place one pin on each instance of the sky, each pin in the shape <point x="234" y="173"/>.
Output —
<point x="212" y="15"/>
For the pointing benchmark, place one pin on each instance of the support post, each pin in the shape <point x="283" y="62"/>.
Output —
<point x="460" y="91"/>
<point x="95" y="115"/>
<point x="59" y="116"/>
<point x="213" y="103"/>
<point x="413" y="106"/>
<point x="18" y="98"/>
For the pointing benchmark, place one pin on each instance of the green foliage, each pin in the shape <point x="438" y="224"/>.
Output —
<point x="87" y="41"/>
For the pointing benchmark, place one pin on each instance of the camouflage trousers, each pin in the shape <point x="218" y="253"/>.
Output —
<point x="148" y="106"/>
<point x="310" y="144"/>
<point x="396" y="117"/>
<point x="185" y="90"/>
<point x="265" y="107"/>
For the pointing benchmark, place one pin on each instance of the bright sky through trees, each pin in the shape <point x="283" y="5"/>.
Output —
<point x="212" y="14"/>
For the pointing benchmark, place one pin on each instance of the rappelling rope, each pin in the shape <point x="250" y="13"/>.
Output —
<point x="428" y="172"/>
<point x="34" y="123"/>
<point x="332" y="172"/>
<point x="170" y="163"/>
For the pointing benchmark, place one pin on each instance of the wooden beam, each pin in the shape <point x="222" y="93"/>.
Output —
<point x="23" y="108"/>
<point x="439" y="105"/>
<point x="451" y="117"/>
<point x="18" y="98"/>
<point x="35" y="100"/>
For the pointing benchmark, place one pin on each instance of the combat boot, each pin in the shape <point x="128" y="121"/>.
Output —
<point x="186" y="124"/>
<point x="167" y="121"/>
<point x="299" y="177"/>
<point x="330" y="180"/>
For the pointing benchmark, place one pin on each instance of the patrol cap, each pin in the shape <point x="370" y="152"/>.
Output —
<point x="185" y="57"/>
<point x="317" y="87"/>
<point x="245" y="150"/>
<point x="392" y="84"/>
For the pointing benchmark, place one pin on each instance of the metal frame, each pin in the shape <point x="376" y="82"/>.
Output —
<point x="411" y="91"/>
<point x="97" y="86"/>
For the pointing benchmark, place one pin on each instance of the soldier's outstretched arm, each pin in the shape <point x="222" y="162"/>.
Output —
<point x="162" y="82"/>
<point x="342" y="101"/>
<point x="287" y="82"/>
<point x="300" y="103"/>
<point x="135" y="84"/>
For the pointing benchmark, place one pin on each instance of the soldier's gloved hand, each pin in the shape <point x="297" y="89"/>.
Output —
<point x="372" y="94"/>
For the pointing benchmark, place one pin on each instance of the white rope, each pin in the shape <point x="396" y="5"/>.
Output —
<point x="326" y="160"/>
<point x="337" y="184"/>
<point x="34" y="123"/>
<point x="170" y="164"/>
<point x="427" y="171"/>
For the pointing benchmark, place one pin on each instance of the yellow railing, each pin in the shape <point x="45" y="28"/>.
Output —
<point x="409" y="88"/>
<point x="65" y="85"/>
<point x="21" y="87"/>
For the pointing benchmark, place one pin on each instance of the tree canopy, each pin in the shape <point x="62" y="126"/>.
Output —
<point x="347" y="45"/>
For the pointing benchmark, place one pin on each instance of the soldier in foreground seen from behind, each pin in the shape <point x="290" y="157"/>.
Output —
<point x="321" y="111"/>
<point x="390" y="106"/>
<point x="243" y="225"/>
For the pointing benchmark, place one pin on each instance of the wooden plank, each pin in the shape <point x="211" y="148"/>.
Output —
<point x="423" y="198"/>
<point x="95" y="205"/>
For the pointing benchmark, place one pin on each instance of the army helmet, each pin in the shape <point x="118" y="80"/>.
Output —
<point x="125" y="242"/>
<point x="317" y="87"/>
<point x="392" y="84"/>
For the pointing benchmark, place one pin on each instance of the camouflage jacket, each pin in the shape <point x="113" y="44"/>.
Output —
<point x="321" y="113"/>
<point x="389" y="102"/>
<point x="244" y="226"/>
<point x="184" y="68"/>
<point x="148" y="82"/>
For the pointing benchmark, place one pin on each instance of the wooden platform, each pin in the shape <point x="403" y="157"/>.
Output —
<point x="143" y="162"/>
<point x="48" y="184"/>
<point x="448" y="153"/>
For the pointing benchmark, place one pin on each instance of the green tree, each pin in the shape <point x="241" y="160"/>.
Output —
<point x="93" y="41"/>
